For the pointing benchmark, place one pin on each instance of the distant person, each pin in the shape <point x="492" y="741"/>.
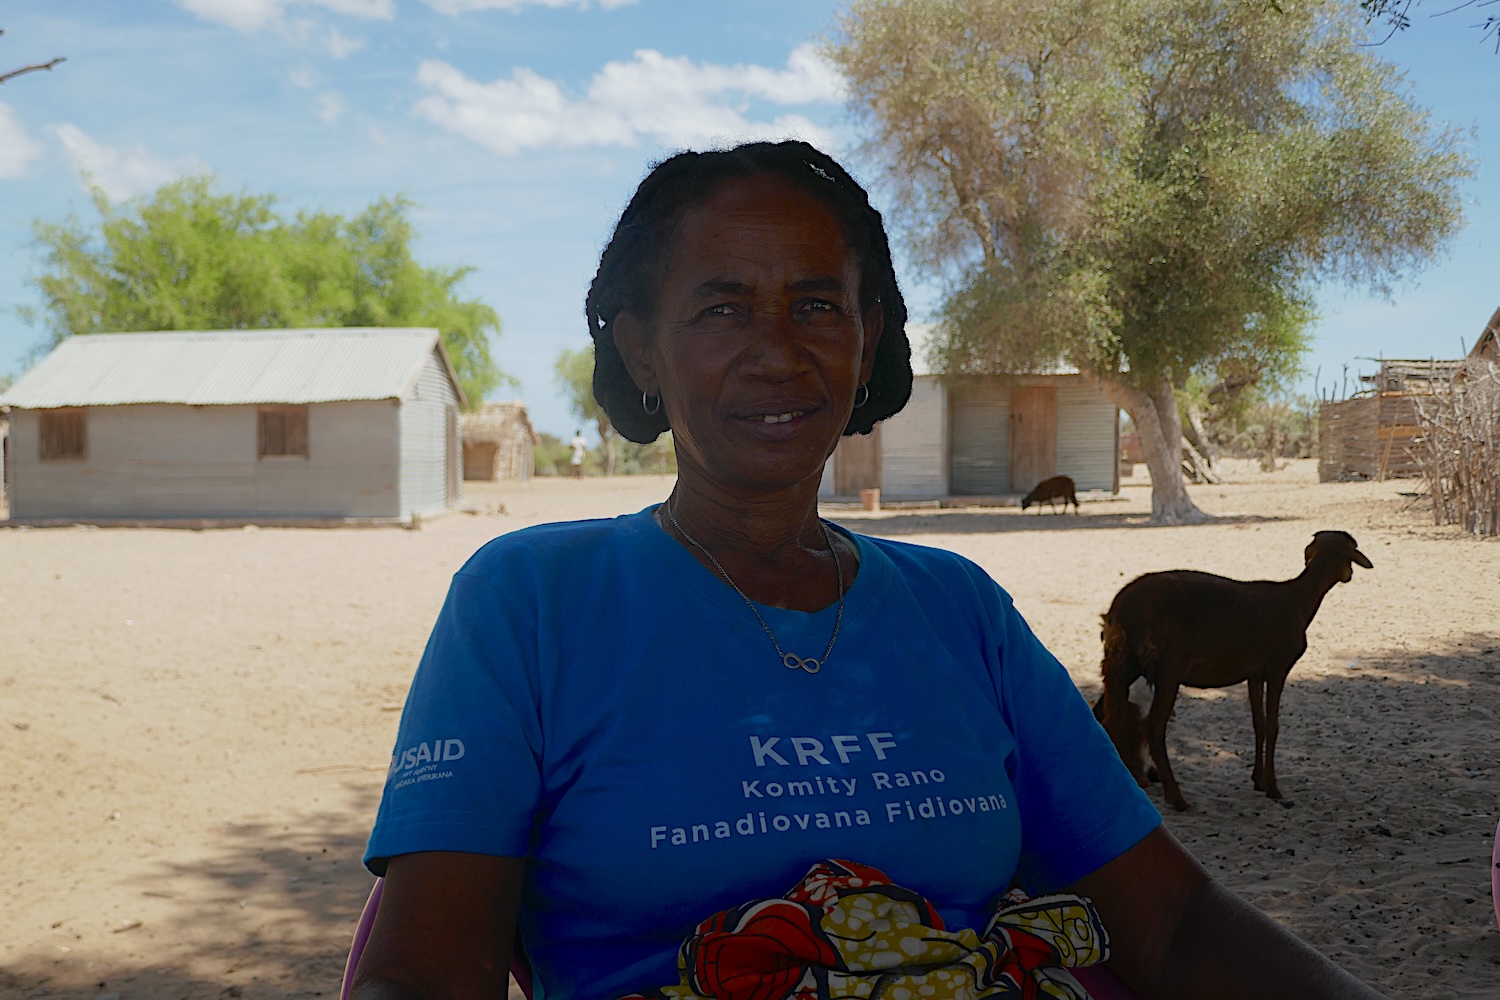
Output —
<point x="630" y="733"/>
<point x="580" y="447"/>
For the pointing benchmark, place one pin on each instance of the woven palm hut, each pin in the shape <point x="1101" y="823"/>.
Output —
<point x="1487" y="347"/>
<point x="498" y="442"/>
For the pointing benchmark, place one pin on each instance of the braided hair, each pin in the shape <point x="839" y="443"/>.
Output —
<point x="632" y="265"/>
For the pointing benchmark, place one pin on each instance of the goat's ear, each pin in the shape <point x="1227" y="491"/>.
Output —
<point x="1360" y="558"/>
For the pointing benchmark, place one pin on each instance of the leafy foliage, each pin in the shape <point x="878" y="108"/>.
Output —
<point x="554" y="457"/>
<point x="655" y="459"/>
<point x="1267" y="426"/>
<point x="551" y="455"/>
<point x="189" y="258"/>
<point x="1147" y="189"/>
<point x="575" y="376"/>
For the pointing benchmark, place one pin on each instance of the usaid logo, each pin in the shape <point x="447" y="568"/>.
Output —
<point x="434" y="752"/>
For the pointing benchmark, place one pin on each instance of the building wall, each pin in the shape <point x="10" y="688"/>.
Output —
<point x="825" y="485"/>
<point x="977" y="436"/>
<point x="499" y="458"/>
<point x="428" y="451"/>
<point x="179" y="461"/>
<point x="953" y="439"/>
<point x="1088" y="426"/>
<point x="914" y="462"/>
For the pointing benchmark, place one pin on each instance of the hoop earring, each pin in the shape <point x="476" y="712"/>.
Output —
<point x="651" y="411"/>
<point x="861" y="400"/>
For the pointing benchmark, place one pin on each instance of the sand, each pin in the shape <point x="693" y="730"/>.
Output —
<point x="194" y="726"/>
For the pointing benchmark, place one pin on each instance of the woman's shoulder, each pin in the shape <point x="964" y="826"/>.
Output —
<point x="560" y="544"/>
<point x="928" y="568"/>
<point x="910" y="557"/>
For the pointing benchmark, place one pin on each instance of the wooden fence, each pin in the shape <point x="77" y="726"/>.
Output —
<point x="1375" y="436"/>
<point x="1461" y="449"/>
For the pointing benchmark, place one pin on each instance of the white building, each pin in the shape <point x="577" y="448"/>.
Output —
<point x="357" y="423"/>
<point x="982" y="437"/>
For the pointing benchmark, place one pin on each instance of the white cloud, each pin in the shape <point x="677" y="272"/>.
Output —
<point x="330" y="106"/>
<point x="672" y="101"/>
<point x="254" y="15"/>
<point x="455" y="7"/>
<point x="303" y="78"/>
<point x="122" y="172"/>
<point x="17" y="148"/>
<point x="341" y="45"/>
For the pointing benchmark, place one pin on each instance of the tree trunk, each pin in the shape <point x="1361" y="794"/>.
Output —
<point x="1197" y="436"/>
<point x="1160" y="429"/>
<point x="607" y="443"/>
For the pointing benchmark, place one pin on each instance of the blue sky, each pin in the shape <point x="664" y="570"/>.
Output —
<point x="519" y="127"/>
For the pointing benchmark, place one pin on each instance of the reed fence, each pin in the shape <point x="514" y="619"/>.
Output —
<point x="1459" y="449"/>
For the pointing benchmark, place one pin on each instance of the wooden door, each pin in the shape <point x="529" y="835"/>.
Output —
<point x="856" y="463"/>
<point x="1033" y="435"/>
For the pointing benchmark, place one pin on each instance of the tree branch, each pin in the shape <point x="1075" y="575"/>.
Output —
<point x="31" y="69"/>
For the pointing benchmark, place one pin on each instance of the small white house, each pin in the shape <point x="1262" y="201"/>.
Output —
<point x="357" y="423"/>
<point x="983" y="437"/>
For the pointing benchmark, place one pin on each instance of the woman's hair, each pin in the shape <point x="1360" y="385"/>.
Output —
<point x="632" y="267"/>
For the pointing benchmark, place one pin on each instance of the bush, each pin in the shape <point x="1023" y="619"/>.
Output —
<point x="552" y="455"/>
<point x="656" y="458"/>
<point x="1268" y="429"/>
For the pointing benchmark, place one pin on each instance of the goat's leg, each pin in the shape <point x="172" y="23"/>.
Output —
<point x="1273" y="726"/>
<point x="1156" y="738"/>
<point x="1258" y="720"/>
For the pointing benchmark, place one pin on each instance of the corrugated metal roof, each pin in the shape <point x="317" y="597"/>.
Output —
<point x="221" y="367"/>
<point x="923" y="337"/>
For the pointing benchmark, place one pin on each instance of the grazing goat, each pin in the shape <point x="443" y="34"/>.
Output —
<point x="1185" y="627"/>
<point x="1049" y="491"/>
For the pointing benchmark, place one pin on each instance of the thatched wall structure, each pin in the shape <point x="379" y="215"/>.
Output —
<point x="1375" y="434"/>
<point x="498" y="442"/>
<point x="1487" y="347"/>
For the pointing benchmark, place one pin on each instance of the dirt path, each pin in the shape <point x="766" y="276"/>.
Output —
<point x="195" y="726"/>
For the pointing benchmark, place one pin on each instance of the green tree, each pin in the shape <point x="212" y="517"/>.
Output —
<point x="655" y="459"/>
<point x="575" y="377"/>
<point x="550" y="455"/>
<point x="189" y="258"/>
<point x="1147" y="189"/>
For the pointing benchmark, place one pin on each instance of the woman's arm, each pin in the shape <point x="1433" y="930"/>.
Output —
<point x="1175" y="932"/>
<point x="445" y="928"/>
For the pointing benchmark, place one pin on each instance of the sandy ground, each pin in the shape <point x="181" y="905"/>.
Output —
<point x="194" y="726"/>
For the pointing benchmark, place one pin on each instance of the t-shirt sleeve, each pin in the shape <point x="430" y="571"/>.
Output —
<point x="1079" y="806"/>
<point x="465" y="775"/>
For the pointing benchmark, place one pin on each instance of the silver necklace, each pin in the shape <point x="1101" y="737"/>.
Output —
<point x="790" y="660"/>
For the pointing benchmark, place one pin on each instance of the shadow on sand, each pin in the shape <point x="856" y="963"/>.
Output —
<point x="272" y="914"/>
<point x="968" y="522"/>
<point x="1379" y="855"/>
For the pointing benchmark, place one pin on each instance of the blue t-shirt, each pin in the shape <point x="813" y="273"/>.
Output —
<point x="596" y="700"/>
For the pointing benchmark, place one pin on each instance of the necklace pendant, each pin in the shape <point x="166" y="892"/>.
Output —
<point x="789" y="660"/>
<point x="795" y="662"/>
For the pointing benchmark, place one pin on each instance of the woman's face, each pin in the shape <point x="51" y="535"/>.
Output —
<point x="758" y="343"/>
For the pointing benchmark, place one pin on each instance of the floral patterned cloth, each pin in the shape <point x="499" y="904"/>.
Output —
<point x="846" y="931"/>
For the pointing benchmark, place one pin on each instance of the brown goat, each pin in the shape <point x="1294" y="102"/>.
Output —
<point x="1185" y="627"/>
<point x="1050" y="490"/>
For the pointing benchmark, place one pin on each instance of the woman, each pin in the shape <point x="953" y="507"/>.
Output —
<point x="755" y="689"/>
